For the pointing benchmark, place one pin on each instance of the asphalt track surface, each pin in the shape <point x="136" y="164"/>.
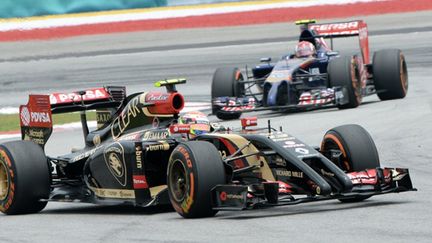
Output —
<point x="401" y="129"/>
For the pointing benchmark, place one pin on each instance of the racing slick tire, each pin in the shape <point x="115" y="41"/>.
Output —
<point x="390" y="74"/>
<point x="226" y="84"/>
<point x="343" y="73"/>
<point x="358" y="150"/>
<point x="24" y="178"/>
<point x="194" y="168"/>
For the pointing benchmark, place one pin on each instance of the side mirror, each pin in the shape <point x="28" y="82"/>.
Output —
<point x="266" y="59"/>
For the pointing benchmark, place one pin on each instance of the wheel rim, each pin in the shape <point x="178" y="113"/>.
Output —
<point x="355" y="79"/>
<point x="178" y="181"/>
<point x="403" y="74"/>
<point x="4" y="182"/>
<point x="331" y="142"/>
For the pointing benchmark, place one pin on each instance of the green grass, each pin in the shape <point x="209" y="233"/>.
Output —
<point x="12" y="123"/>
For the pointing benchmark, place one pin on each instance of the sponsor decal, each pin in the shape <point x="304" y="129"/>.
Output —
<point x="139" y="182"/>
<point x="223" y="196"/>
<point x="155" y="135"/>
<point x="327" y="173"/>
<point x="296" y="174"/>
<point x="158" y="147"/>
<point x="187" y="203"/>
<point x="115" y="161"/>
<point x="130" y="137"/>
<point x="102" y="117"/>
<point x="302" y="151"/>
<point x="292" y="144"/>
<point x="25" y="116"/>
<point x="40" y="117"/>
<point x="36" y="135"/>
<point x="53" y="99"/>
<point x="337" y="28"/>
<point x="157" y="97"/>
<point x="180" y="128"/>
<point x="113" y="193"/>
<point x="122" y="121"/>
<point x="84" y="155"/>
<point x="115" y="164"/>
<point x="277" y="137"/>
<point x="186" y="155"/>
<point x="234" y="196"/>
<point x="92" y="94"/>
<point x="138" y="157"/>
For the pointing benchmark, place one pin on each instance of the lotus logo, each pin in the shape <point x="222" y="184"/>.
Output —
<point x="115" y="161"/>
<point x="116" y="164"/>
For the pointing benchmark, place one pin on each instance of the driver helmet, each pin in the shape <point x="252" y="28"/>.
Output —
<point x="305" y="49"/>
<point x="198" y="121"/>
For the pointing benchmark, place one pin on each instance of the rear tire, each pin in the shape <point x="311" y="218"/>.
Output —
<point x="24" y="178"/>
<point x="358" y="150"/>
<point x="343" y="73"/>
<point x="226" y="84"/>
<point x="390" y="74"/>
<point x="194" y="168"/>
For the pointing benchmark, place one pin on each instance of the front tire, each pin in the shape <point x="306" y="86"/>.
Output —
<point x="343" y="73"/>
<point x="24" y="178"/>
<point x="390" y="74"/>
<point x="226" y="83"/>
<point x="357" y="147"/>
<point x="194" y="168"/>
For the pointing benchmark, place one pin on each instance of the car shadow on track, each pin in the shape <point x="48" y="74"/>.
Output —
<point x="312" y="208"/>
<point x="115" y="209"/>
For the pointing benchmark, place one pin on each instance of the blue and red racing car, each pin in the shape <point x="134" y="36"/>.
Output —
<point x="314" y="76"/>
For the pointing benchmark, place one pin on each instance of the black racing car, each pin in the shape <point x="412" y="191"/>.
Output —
<point x="140" y="155"/>
<point x="307" y="82"/>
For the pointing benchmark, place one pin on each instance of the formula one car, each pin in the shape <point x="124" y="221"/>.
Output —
<point x="141" y="155"/>
<point x="315" y="76"/>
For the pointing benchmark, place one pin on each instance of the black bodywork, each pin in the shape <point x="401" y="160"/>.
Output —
<point x="272" y="168"/>
<point x="126" y="160"/>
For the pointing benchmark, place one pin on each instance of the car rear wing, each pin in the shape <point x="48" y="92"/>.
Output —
<point x="340" y="30"/>
<point x="36" y="116"/>
<point x="90" y="99"/>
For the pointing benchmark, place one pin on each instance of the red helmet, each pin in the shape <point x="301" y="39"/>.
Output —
<point x="305" y="49"/>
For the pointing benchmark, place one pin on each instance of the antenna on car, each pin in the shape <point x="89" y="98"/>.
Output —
<point x="304" y="23"/>
<point x="170" y="84"/>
